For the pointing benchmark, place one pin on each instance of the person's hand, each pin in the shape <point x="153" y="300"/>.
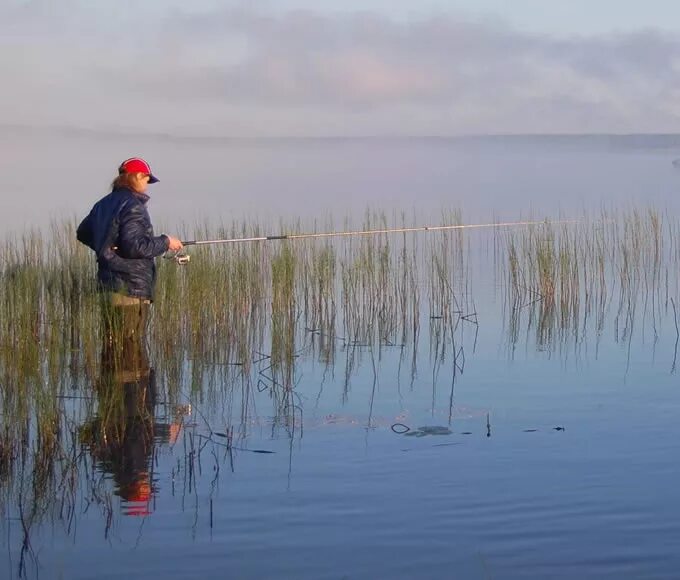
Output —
<point x="174" y="244"/>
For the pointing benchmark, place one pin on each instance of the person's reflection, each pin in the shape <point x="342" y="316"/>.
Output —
<point x="122" y="435"/>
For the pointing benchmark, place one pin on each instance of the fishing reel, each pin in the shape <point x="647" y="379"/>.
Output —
<point x="179" y="258"/>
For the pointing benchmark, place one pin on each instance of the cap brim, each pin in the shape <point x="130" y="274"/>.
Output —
<point x="153" y="178"/>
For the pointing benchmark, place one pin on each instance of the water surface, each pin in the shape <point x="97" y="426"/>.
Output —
<point x="560" y="461"/>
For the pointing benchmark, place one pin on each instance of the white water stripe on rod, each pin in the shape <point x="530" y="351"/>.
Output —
<point x="374" y="232"/>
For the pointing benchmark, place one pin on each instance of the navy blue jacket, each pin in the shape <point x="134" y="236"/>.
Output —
<point x="120" y="220"/>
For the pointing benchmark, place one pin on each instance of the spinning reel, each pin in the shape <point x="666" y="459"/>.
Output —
<point x="179" y="258"/>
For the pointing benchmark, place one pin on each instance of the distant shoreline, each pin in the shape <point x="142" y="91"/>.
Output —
<point x="634" y="140"/>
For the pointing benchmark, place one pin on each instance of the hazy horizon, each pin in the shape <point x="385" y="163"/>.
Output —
<point x="299" y="109"/>
<point x="74" y="129"/>
<point x="59" y="175"/>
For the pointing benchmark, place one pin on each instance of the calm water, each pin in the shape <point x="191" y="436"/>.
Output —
<point x="561" y="461"/>
<point x="219" y="181"/>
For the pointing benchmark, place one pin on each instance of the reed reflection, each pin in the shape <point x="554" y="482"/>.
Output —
<point x="122" y="437"/>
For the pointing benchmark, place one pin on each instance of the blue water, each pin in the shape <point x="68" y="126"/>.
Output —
<point x="346" y="497"/>
<point x="506" y="495"/>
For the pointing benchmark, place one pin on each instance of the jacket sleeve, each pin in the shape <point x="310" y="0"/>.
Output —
<point x="135" y="235"/>
<point x="84" y="232"/>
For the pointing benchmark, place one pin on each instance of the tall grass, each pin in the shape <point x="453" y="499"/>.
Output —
<point x="236" y="319"/>
<point x="563" y="277"/>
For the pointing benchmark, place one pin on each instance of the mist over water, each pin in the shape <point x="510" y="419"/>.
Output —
<point x="51" y="174"/>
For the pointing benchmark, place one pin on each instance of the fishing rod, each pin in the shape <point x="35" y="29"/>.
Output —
<point x="184" y="258"/>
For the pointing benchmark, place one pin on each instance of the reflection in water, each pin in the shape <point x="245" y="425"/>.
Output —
<point x="268" y="342"/>
<point x="122" y="436"/>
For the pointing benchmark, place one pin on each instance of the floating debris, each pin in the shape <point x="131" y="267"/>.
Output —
<point x="428" y="430"/>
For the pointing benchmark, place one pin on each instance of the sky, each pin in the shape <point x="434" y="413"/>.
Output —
<point x="291" y="68"/>
<point x="539" y="16"/>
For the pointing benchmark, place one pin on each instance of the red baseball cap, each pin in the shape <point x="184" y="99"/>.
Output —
<point x="137" y="165"/>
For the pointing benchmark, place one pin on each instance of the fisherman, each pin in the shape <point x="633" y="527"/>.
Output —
<point x="119" y="230"/>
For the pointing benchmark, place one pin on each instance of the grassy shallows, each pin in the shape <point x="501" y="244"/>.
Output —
<point x="237" y="305"/>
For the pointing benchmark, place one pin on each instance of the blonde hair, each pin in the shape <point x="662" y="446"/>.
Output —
<point x="123" y="181"/>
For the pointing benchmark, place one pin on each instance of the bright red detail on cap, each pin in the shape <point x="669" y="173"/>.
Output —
<point x="137" y="165"/>
<point x="134" y="165"/>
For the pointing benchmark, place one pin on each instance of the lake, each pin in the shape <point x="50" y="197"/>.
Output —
<point x="488" y="428"/>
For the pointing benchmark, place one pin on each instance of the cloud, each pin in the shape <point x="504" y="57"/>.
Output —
<point x="248" y="71"/>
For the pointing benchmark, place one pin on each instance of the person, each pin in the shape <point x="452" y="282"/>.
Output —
<point x="118" y="229"/>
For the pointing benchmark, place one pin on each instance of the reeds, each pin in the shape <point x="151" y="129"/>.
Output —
<point x="236" y="319"/>
<point x="212" y="317"/>
<point x="564" y="276"/>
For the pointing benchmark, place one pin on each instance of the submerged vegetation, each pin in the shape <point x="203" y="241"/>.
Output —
<point x="233" y="323"/>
